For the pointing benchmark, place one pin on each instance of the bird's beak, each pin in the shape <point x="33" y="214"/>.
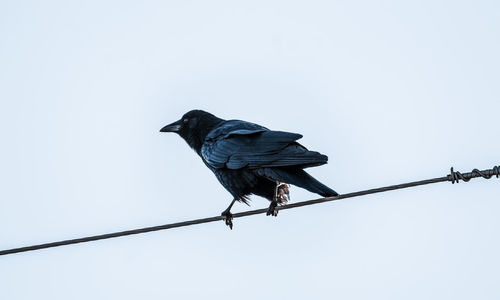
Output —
<point x="174" y="127"/>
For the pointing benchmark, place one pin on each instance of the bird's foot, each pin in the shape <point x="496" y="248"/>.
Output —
<point x="272" y="211"/>
<point x="228" y="218"/>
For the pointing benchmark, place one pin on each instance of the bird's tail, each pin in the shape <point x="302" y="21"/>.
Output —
<point x="301" y="179"/>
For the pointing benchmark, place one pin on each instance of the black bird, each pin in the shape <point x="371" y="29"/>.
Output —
<point x="249" y="159"/>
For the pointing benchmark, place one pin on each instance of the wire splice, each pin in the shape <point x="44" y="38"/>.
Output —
<point x="456" y="176"/>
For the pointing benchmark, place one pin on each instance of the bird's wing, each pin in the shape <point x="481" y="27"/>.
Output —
<point x="239" y="144"/>
<point x="231" y="127"/>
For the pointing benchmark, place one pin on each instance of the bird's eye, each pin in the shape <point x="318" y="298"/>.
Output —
<point x="185" y="121"/>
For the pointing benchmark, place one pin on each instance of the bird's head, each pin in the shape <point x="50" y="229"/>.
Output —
<point x="193" y="127"/>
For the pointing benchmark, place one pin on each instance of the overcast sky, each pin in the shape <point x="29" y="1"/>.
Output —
<point x="391" y="91"/>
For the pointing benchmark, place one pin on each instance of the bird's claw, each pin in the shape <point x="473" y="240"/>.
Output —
<point x="228" y="218"/>
<point x="272" y="211"/>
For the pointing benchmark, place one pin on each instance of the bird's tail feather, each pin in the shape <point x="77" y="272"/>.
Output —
<point x="302" y="179"/>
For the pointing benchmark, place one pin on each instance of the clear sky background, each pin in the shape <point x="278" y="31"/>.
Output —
<point x="391" y="91"/>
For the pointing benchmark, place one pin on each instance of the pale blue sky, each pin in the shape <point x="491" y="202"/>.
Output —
<point x="391" y="91"/>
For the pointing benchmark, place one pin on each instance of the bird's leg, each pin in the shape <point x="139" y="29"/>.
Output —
<point x="271" y="211"/>
<point x="228" y="216"/>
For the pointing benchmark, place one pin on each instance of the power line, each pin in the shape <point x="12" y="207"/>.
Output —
<point x="454" y="177"/>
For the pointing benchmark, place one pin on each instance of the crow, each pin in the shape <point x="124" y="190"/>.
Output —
<point x="249" y="159"/>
